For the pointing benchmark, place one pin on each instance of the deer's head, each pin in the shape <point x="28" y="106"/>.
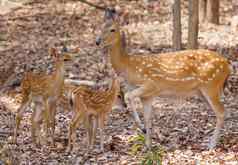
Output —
<point x="64" y="56"/>
<point x="110" y="32"/>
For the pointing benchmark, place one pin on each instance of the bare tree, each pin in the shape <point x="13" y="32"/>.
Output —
<point x="209" y="11"/>
<point x="202" y="10"/>
<point x="213" y="11"/>
<point x="235" y="7"/>
<point x="193" y="24"/>
<point x="177" y="41"/>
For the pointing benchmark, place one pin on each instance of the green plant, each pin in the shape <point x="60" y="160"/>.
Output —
<point x="147" y="157"/>
<point x="138" y="143"/>
<point x="153" y="157"/>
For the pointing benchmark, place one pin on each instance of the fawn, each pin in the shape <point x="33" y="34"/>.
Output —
<point x="42" y="89"/>
<point x="91" y="107"/>
<point x="180" y="73"/>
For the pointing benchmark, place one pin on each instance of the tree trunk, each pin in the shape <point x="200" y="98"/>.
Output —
<point x="213" y="11"/>
<point x="202" y="10"/>
<point x="193" y="24"/>
<point x="235" y="7"/>
<point x="177" y="43"/>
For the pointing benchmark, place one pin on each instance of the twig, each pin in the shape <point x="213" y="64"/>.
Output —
<point x="231" y="118"/>
<point x="93" y="5"/>
<point x="5" y="133"/>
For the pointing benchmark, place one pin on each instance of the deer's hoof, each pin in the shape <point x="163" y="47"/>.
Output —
<point x="13" y="140"/>
<point x="143" y="130"/>
<point x="211" y="145"/>
<point x="69" y="149"/>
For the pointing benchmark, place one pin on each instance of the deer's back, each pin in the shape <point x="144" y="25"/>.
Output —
<point x="96" y="101"/>
<point x="191" y="67"/>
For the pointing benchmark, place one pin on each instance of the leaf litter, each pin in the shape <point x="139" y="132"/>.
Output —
<point x="180" y="127"/>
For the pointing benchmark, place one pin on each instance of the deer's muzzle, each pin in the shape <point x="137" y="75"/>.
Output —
<point x="98" y="41"/>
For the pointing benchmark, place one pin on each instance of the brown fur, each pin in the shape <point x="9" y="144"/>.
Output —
<point x="91" y="106"/>
<point x="178" y="73"/>
<point x="42" y="89"/>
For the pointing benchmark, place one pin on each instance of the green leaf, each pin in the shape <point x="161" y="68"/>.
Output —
<point x="137" y="138"/>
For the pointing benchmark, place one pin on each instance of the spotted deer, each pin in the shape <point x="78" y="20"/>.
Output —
<point x="42" y="89"/>
<point x="91" y="107"/>
<point x="181" y="73"/>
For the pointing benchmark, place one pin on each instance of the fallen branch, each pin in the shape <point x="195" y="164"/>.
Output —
<point x="5" y="133"/>
<point x="79" y="82"/>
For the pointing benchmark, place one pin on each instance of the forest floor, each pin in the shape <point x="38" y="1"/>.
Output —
<point x="180" y="129"/>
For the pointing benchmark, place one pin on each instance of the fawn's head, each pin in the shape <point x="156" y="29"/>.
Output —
<point x="59" y="57"/>
<point x="110" y="32"/>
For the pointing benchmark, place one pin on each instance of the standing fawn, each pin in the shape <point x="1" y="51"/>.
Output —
<point x="42" y="89"/>
<point x="91" y="107"/>
<point x="180" y="73"/>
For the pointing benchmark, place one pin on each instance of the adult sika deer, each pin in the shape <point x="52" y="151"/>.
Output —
<point x="179" y="73"/>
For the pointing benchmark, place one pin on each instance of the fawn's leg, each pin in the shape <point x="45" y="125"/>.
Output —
<point x="94" y="125"/>
<point x="79" y="109"/>
<point x="36" y="120"/>
<point x="101" y="127"/>
<point x="212" y="95"/>
<point x="89" y="128"/>
<point x="72" y="130"/>
<point x="53" y="113"/>
<point x="52" y="110"/>
<point x="47" y="116"/>
<point x="33" y="135"/>
<point x="19" y="115"/>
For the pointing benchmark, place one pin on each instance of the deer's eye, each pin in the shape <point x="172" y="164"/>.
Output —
<point x="112" y="30"/>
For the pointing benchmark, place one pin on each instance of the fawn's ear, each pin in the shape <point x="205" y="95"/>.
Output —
<point x="53" y="53"/>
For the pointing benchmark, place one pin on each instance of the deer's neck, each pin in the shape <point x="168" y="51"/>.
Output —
<point x="114" y="90"/>
<point x="118" y="56"/>
<point x="59" y="74"/>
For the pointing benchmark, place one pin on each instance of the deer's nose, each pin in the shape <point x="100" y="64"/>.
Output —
<point x="98" y="41"/>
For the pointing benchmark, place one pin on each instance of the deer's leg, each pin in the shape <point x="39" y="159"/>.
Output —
<point x="101" y="127"/>
<point x="18" y="119"/>
<point x="129" y="97"/>
<point x="72" y="130"/>
<point x="92" y="128"/>
<point x="47" y="117"/>
<point x="213" y="98"/>
<point x="145" y="94"/>
<point x="52" y="110"/>
<point x="33" y="135"/>
<point x="147" y="103"/>
<point x="88" y="127"/>
<point x="36" y="120"/>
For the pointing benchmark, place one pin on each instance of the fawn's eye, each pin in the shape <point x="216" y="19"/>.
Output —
<point x="112" y="30"/>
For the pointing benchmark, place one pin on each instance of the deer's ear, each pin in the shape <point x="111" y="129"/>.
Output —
<point x="111" y="14"/>
<point x="123" y="37"/>
<point x="53" y="52"/>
